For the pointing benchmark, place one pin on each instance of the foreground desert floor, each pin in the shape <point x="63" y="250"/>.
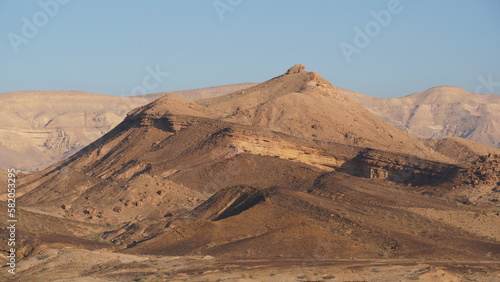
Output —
<point x="68" y="264"/>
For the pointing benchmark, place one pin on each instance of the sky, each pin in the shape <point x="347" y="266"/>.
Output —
<point x="385" y="48"/>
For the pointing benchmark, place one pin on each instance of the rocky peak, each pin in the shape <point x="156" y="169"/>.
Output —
<point x="296" y="69"/>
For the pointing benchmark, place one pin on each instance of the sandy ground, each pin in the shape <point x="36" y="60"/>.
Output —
<point x="67" y="264"/>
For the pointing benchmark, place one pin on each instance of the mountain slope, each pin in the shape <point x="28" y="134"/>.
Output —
<point x="463" y="150"/>
<point x="151" y="157"/>
<point x="203" y="93"/>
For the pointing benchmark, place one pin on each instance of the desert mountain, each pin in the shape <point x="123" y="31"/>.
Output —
<point x="234" y="177"/>
<point x="226" y="177"/>
<point x="303" y="104"/>
<point x="440" y="112"/>
<point x="39" y="128"/>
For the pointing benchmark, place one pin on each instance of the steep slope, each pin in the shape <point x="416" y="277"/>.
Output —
<point x="151" y="158"/>
<point x="112" y="171"/>
<point x="303" y="104"/>
<point x="440" y="112"/>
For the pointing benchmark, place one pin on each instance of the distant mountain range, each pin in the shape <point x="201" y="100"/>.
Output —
<point x="440" y="112"/>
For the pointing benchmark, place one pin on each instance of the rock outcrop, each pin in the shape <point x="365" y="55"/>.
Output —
<point x="296" y="69"/>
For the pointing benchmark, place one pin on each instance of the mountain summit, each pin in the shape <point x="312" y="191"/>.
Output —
<point x="303" y="104"/>
<point x="296" y="69"/>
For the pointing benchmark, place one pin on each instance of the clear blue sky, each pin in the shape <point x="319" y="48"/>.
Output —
<point x="106" y="46"/>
